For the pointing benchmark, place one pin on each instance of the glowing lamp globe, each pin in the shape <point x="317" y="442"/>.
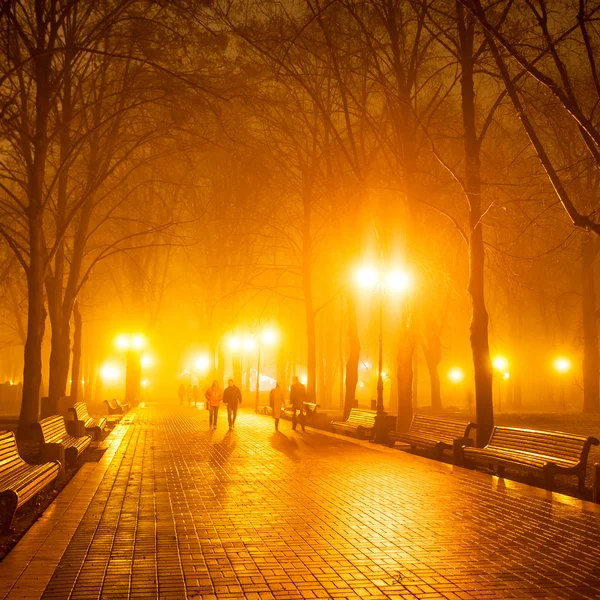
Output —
<point x="456" y="375"/>
<point x="398" y="282"/>
<point x="202" y="363"/>
<point x="562" y="365"/>
<point x="367" y="277"/>
<point x="500" y="363"/>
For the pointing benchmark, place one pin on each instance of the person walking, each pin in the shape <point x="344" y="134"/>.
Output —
<point x="181" y="394"/>
<point x="196" y="395"/>
<point x="276" y="403"/>
<point x="213" y="401"/>
<point x="297" y="399"/>
<point x="232" y="397"/>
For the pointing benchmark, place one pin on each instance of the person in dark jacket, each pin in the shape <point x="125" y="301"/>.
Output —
<point x="232" y="397"/>
<point x="297" y="399"/>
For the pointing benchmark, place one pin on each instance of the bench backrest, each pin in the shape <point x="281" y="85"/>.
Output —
<point x="9" y="453"/>
<point x="52" y="429"/>
<point x="565" y="446"/>
<point x="81" y="411"/>
<point x="358" y="416"/>
<point x="444" y="429"/>
<point x="112" y="403"/>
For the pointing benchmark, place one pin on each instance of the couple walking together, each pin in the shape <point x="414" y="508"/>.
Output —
<point x="297" y="400"/>
<point x="232" y="397"/>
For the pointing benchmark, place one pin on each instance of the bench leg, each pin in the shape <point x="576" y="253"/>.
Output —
<point x="438" y="451"/>
<point x="581" y="482"/>
<point x="413" y="448"/>
<point x="501" y="471"/>
<point x="549" y="479"/>
<point x="8" y="507"/>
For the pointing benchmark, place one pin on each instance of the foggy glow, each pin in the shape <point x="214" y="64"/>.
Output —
<point x="234" y="343"/>
<point x="249" y="344"/>
<point x="202" y="363"/>
<point x="367" y="277"/>
<point x="500" y="363"/>
<point x="304" y="380"/>
<point x="144" y="383"/>
<point x="147" y="361"/>
<point x="269" y="337"/>
<point x="110" y="372"/>
<point x="562" y="365"/>
<point x="506" y="375"/>
<point x="456" y="375"/>
<point x="122" y="342"/>
<point x="138" y="341"/>
<point x="398" y="281"/>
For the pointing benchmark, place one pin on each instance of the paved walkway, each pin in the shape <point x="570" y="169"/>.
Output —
<point x="176" y="511"/>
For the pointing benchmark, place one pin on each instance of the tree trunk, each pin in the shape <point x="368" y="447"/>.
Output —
<point x="479" y="317"/>
<point x="36" y="322"/>
<point x="76" y="367"/>
<point x="432" y="350"/>
<point x="353" y="357"/>
<point x="236" y="363"/>
<point x="591" y="359"/>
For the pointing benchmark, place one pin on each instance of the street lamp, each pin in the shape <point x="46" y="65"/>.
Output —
<point x="562" y="365"/>
<point x="133" y="345"/>
<point x="268" y="337"/>
<point x="392" y="282"/>
<point x="500" y="363"/>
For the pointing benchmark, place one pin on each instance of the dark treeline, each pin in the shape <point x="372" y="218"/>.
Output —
<point x="237" y="160"/>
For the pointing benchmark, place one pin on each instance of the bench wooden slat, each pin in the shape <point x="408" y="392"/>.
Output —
<point x="93" y="424"/>
<point x="359" y="421"/>
<point x="52" y="430"/>
<point x="19" y="481"/>
<point x="433" y="432"/>
<point x="551" y="452"/>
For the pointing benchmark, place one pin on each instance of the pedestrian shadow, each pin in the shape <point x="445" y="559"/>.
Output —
<point x="284" y="444"/>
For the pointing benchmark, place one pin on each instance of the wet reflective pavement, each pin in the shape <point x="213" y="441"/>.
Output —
<point x="177" y="511"/>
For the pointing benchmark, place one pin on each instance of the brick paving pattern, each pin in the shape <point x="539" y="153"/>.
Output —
<point x="184" y="512"/>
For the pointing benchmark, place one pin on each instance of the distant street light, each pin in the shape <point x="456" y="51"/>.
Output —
<point x="500" y="363"/>
<point x="562" y="365"/>
<point x="369" y="278"/>
<point x="456" y="375"/>
<point x="133" y="345"/>
<point x="268" y="337"/>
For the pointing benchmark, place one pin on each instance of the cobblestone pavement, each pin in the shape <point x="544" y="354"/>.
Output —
<point x="184" y="512"/>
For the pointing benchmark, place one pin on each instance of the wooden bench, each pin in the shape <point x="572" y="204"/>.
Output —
<point x="19" y="481"/>
<point x="116" y="408"/>
<point x="437" y="433"/>
<point x="359" y="422"/>
<point x="93" y="425"/>
<point x="546" y="452"/>
<point x="52" y="431"/>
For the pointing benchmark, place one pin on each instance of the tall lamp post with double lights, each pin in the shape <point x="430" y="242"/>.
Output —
<point x="133" y="345"/>
<point x="391" y="282"/>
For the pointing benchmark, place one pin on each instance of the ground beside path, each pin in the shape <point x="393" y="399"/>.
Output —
<point x="178" y="511"/>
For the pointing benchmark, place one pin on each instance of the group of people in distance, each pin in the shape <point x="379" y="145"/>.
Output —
<point x="232" y="398"/>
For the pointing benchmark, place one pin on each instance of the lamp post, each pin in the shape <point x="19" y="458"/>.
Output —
<point x="500" y="363"/>
<point x="133" y="346"/>
<point x="369" y="278"/>
<point x="269" y="338"/>
<point x="562" y="365"/>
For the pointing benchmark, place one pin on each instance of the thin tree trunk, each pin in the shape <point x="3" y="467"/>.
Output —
<point x="75" y="369"/>
<point x="479" y="317"/>
<point x="591" y="359"/>
<point x="311" y="357"/>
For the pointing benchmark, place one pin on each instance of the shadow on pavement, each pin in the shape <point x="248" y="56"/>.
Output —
<point x="282" y="443"/>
